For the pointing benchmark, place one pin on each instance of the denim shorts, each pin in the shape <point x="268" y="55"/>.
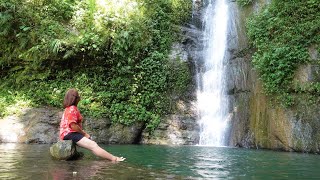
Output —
<point x="74" y="136"/>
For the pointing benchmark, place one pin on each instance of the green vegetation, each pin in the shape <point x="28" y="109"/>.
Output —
<point x="115" y="52"/>
<point x="244" y="2"/>
<point x="282" y="34"/>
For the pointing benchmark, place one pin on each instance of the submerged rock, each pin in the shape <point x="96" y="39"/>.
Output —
<point x="65" y="150"/>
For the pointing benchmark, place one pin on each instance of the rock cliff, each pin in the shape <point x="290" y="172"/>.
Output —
<point x="256" y="121"/>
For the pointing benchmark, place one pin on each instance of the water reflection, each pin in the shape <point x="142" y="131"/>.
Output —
<point x="21" y="161"/>
<point x="210" y="163"/>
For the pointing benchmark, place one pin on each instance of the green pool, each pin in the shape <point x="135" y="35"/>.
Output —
<point x="25" y="161"/>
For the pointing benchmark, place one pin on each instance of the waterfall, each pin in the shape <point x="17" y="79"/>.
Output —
<point x="211" y="96"/>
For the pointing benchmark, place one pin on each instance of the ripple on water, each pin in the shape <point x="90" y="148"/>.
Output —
<point x="158" y="162"/>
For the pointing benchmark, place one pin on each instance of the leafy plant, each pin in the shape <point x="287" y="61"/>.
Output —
<point x="244" y="2"/>
<point x="114" y="52"/>
<point x="282" y="34"/>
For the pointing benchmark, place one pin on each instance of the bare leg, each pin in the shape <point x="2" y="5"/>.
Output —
<point x="97" y="150"/>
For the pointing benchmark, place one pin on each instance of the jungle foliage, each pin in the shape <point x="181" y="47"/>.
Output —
<point x="244" y="2"/>
<point x="115" y="52"/>
<point x="282" y="35"/>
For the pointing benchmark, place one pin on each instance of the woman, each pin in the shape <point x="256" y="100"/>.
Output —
<point x="71" y="127"/>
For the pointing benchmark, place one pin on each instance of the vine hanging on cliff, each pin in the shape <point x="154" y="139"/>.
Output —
<point x="282" y="33"/>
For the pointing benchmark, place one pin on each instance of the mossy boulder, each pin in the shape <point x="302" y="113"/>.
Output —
<point x="65" y="150"/>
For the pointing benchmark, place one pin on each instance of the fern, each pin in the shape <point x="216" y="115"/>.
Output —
<point x="68" y="54"/>
<point x="55" y="46"/>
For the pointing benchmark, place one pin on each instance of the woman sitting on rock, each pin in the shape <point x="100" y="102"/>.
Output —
<point x="71" y="127"/>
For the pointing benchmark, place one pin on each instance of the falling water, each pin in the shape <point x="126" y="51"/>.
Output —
<point x="211" y="96"/>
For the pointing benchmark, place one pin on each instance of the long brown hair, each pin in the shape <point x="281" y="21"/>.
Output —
<point x="71" y="98"/>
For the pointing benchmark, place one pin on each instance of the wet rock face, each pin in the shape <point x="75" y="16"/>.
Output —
<point x="65" y="150"/>
<point x="32" y="125"/>
<point x="181" y="127"/>
<point x="176" y="130"/>
<point x="102" y="131"/>
<point x="258" y="123"/>
<point x="41" y="126"/>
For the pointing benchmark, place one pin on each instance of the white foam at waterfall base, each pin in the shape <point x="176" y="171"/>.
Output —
<point x="211" y="96"/>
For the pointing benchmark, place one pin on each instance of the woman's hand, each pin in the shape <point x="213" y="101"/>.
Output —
<point x="77" y="128"/>
<point x="118" y="158"/>
<point x="87" y="135"/>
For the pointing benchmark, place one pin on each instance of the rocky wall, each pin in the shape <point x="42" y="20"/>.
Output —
<point x="256" y="121"/>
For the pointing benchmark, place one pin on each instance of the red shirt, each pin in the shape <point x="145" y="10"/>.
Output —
<point x="71" y="115"/>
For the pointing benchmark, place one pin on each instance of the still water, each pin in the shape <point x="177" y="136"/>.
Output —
<point x="22" y="161"/>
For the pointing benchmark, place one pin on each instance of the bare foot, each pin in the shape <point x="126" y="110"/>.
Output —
<point x="119" y="159"/>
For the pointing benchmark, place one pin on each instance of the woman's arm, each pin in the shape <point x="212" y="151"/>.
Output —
<point x="76" y="128"/>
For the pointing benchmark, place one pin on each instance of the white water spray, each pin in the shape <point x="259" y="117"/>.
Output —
<point x="211" y="96"/>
